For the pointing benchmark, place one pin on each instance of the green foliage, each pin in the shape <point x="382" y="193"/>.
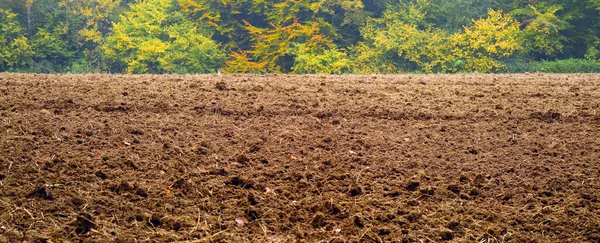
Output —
<point x="517" y="64"/>
<point x="478" y="49"/>
<point x="593" y="52"/>
<point x="89" y="19"/>
<point x="595" y="3"/>
<point x="259" y="34"/>
<point x="542" y="33"/>
<point x="15" y="50"/>
<point x="483" y="45"/>
<point x="401" y="33"/>
<point x="50" y="46"/>
<point x="367" y="59"/>
<point x="567" y="66"/>
<point x="560" y="28"/>
<point x="299" y="36"/>
<point x="270" y="45"/>
<point x="453" y="15"/>
<point x="320" y="61"/>
<point x="89" y="22"/>
<point x="153" y="37"/>
<point x="225" y="17"/>
<point x="415" y="12"/>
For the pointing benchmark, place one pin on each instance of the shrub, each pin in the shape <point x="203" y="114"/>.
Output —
<point x="567" y="66"/>
<point x="517" y="64"/>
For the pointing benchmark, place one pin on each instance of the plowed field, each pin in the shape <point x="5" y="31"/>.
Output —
<point x="276" y="158"/>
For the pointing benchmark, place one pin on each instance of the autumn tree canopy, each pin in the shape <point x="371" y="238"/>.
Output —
<point x="295" y="36"/>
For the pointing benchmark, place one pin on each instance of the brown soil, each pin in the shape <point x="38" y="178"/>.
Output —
<point x="275" y="158"/>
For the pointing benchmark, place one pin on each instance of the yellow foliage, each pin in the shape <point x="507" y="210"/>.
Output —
<point x="92" y="14"/>
<point x="91" y="34"/>
<point x="318" y="60"/>
<point x="487" y="40"/>
<point x="149" y="38"/>
<point x="19" y="48"/>
<point x="15" y="49"/>
<point x="543" y="33"/>
<point x="369" y="60"/>
<point x="479" y="48"/>
<point x="241" y="63"/>
<point x="271" y="44"/>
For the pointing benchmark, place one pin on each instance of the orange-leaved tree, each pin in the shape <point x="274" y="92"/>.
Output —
<point x="269" y="35"/>
<point x="271" y="45"/>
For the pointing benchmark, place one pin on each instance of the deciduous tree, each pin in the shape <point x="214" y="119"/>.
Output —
<point x="152" y="37"/>
<point x="15" y="50"/>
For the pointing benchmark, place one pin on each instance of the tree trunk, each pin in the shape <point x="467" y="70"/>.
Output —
<point x="28" y="17"/>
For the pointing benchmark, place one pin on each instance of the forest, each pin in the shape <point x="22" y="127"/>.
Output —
<point x="299" y="36"/>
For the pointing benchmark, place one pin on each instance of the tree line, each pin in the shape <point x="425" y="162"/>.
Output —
<point x="296" y="36"/>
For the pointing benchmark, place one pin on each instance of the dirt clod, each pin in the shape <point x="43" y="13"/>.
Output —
<point x="318" y="220"/>
<point x="101" y="175"/>
<point x="41" y="192"/>
<point x="548" y="116"/>
<point x="355" y="191"/>
<point x="252" y="199"/>
<point x="155" y="220"/>
<point x="242" y="159"/>
<point x="221" y="86"/>
<point x="454" y="188"/>
<point x="472" y="150"/>
<point x="430" y="191"/>
<point x="359" y="222"/>
<point x="241" y="181"/>
<point x="84" y="223"/>
<point x="475" y="192"/>
<point x="413" y="185"/>
<point x="384" y="231"/>
<point x="446" y="235"/>
<point x="479" y="180"/>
